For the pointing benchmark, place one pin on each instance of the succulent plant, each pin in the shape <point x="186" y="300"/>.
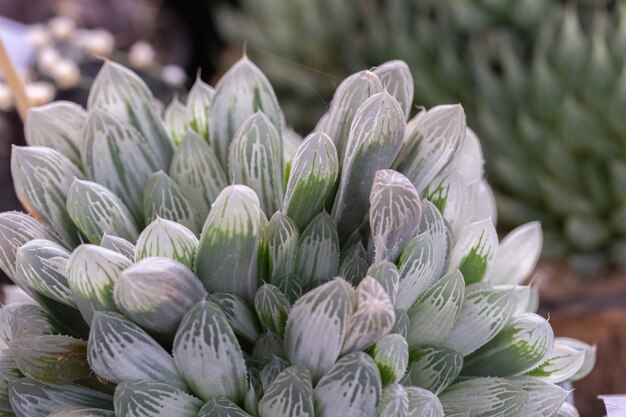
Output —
<point x="242" y="271"/>
<point x="543" y="82"/>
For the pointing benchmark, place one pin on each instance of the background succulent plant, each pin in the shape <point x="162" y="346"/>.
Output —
<point x="545" y="91"/>
<point x="355" y="272"/>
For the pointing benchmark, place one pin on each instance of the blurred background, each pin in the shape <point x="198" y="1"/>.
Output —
<point x="543" y="83"/>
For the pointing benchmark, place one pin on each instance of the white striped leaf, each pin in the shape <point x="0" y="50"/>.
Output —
<point x="394" y="402"/>
<point x="175" y="120"/>
<point x="153" y="399"/>
<point x="433" y="367"/>
<point x="240" y="317"/>
<point x="395" y="213"/>
<point x="119" y="245"/>
<point x="590" y="355"/>
<point x="169" y="239"/>
<point x="483" y="314"/>
<point x="16" y="229"/>
<point x="270" y="371"/>
<point x="348" y="98"/>
<point x="242" y="91"/>
<point x="387" y="275"/>
<point x="118" y="350"/>
<point x="208" y="355"/>
<point x="423" y="403"/>
<point x="40" y="264"/>
<point x="119" y="157"/>
<point x="482" y="397"/>
<point x="374" y="141"/>
<point x="268" y="346"/>
<point x="372" y="319"/>
<point x="96" y="210"/>
<point x="318" y="325"/>
<point x="432" y="317"/>
<point x="57" y="125"/>
<point x="91" y="273"/>
<point x="523" y="297"/>
<point x="198" y="172"/>
<point x="83" y="412"/>
<point x="23" y="320"/>
<point x="353" y="268"/>
<point x="562" y="365"/>
<point x="518" y="254"/>
<point x="313" y="173"/>
<point x="291" y="286"/>
<point x="544" y="398"/>
<point x="398" y="81"/>
<point x="55" y="359"/>
<point x="282" y="237"/>
<point x="290" y="394"/>
<point x="474" y="250"/>
<point x="417" y="266"/>
<point x="227" y="254"/>
<point x="567" y="410"/>
<point x="198" y="108"/>
<point x="523" y="344"/>
<point x="317" y="259"/>
<point x="42" y="179"/>
<point x="122" y="94"/>
<point x="468" y="161"/>
<point x="156" y="293"/>
<point x="433" y="223"/>
<point x="391" y="354"/>
<point x="255" y="159"/>
<point x="163" y="198"/>
<point x="222" y="407"/>
<point x="431" y="140"/>
<point x="450" y="194"/>
<point x="351" y="388"/>
<point x="272" y="308"/>
<point x="8" y="373"/>
<point x="30" y="398"/>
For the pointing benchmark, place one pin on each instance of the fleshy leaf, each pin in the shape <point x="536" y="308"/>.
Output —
<point x="450" y="194"/>
<point x="523" y="344"/>
<point x="374" y="141"/>
<point x="562" y="365"/>
<point x="91" y="273"/>
<point x="398" y="81"/>
<point x="8" y="373"/>
<point x="57" y="125"/>
<point x="350" y="388"/>
<point x="83" y="412"/>
<point x="30" y="398"/>
<point x="282" y="236"/>
<point x="198" y="107"/>
<point x="119" y="350"/>
<point x="590" y="355"/>
<point x="394" y="402"/>
<point x="317" y="260"/>
<point x="166" y="238"/>
<point x="156" y="293"/>
<point x="271" y="370"/>
<point x="394" y="213"/>
<point x="198" y="172"/>
<point x="289" y="395"/>
<point x="372" y="319"/>
<point x="517" y="254"/>
<point x="474" y="251"/>
<point x="120" y="158"/>
<point x="387" y="275"/>
<point x="433" y="367"/>
<point x="493" y="397"/>
<point x="255" y="159"/>
<point x="121" y="93"/>
<point x="175" y="120"/>
<point x="51" y="358"/>
<point x="432" y="317"/>
<point x="468" y="161"/>
<point x="96" y="210"/>
<point x="483" y="314"/>
<point x="40" y="264"/>
<point x="417" y="266"/>
<point x="42" y="178"/>
<point x="544" y="398"/>
<point x="319" y="318"/>
<point x="119" y="245"/>
<point x="241" y="319"/>
<point x="433" y="223"/>
<point x="430" y="141"/>
<point x="391" y="354"/>
<point x="313" y="173"/>
<point x="208" y="355"/>
<point x="242" y="91"/>
<point x="153" y="399"/>
<point x="227" y="253"/>
<point x="222" y="407"/>
<point x="272" y="308"/>
<point x="423" y="403"/>
<point x="23" y="320"/>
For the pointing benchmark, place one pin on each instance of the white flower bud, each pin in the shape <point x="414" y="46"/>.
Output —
<point x="38" y="36"/>
<point x="66" y="74"/>
<point x="39" y="93"/>
<point x="173" y="75"/>
<point x="6" y="101"/>
<point x="141" y="54"/>
<point x="62" y="28"/>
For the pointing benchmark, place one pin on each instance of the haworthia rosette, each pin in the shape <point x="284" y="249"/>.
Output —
<point x="162" y="197"/>
<point x="198" y="108"/>
<point x="153" y="399"/>
<point x="291" y="393"/>
<point x="397" y="80"/>
<point x="169" y="239"/>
